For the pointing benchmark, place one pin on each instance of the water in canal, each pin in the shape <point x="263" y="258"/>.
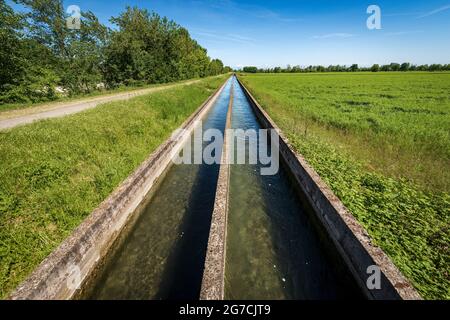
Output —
<point x="273" y="249"/>
<point x="163" y="255"/>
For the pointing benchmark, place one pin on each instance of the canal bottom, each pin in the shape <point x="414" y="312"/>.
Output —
<point x="274" y="250"/>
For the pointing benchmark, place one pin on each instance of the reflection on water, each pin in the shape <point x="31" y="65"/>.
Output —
<point x="273" y="250"/>
<point x="163" y="255"/>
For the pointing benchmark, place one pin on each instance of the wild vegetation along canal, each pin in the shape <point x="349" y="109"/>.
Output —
<point x="273" y="249"/>
<point x="162" y="256"/>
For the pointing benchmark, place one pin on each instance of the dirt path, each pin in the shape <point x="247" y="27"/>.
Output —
<point x="14" y="118"/>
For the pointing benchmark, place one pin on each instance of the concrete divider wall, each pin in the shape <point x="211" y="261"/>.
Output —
<point x="349" y="238"/>
<point x="213" y="282"/>
<point x="65" y="271"/>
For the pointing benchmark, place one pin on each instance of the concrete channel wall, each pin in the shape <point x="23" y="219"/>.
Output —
<point x="65" y="272"/>
<point x="213" y="282"/>
<point x="350" y="239"/>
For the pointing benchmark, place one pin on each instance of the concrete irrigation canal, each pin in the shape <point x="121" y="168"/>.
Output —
<point x="219" y="231"/>
<point x="273" y="250"/>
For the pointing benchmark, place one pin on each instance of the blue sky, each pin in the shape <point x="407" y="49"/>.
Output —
<point x="270" y="33"/>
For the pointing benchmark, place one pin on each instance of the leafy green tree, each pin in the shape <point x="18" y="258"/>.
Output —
<point x="39" y="52"/>
<point x="250" y="69"/>
<point x="191" y="59"/>
<point x="354" y="68"/>
<point x="11" y="59"/>
<point x="26" y="72"/>
<point x="394" y="66"/>
<point x="277" y="69"/>
<point x="215" y="67"/>
<point x="435" y="67"/>
<point x="321" y="69"/>
<point x="161" y="51"/>
<point x="227" y="69"/>
<point x="83" y="69"/>
<point x="78" y="53"/>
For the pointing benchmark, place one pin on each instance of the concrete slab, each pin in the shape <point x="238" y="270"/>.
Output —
<point x="213" y="282"/>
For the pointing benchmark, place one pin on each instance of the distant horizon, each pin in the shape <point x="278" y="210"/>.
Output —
<point x="277" y="33"/>
<point x="345" y="65"/>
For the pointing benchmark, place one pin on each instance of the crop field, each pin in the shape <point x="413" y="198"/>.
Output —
<point x="381" y="141"/>
<point x="55" y="172"/>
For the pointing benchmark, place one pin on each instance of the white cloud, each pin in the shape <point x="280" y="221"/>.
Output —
<point x="256" y="11"/>
<point x="433" y="12"/>
<point x="223" y="37"/>
<point x="334" y="35"/>
<point x="402" y="33"/>
<point x="272" y="15"/>
<point x="401" y="14"/>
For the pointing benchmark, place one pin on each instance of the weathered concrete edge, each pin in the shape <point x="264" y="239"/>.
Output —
<point x="350" y="238"/>
<point x="213" y="282"/>
<point x="62" y="274"/>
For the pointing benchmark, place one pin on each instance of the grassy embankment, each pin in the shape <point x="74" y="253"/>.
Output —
<point x="55" y="172"/>
<point x="382" y="143"/>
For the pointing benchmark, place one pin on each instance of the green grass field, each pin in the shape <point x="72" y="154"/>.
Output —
<point x="55" y="172"/>
<point x="382" y="143"/>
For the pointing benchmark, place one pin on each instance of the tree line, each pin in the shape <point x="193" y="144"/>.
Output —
<point x="41" y="58"/>
<point x="353" y="68"/>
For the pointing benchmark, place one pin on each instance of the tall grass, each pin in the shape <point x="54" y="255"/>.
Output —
<point x="381" y="142"/>
<point x="55" y="172"/>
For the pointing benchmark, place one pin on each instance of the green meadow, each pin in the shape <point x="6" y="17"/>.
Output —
<point x="381" y="141"/>
<point x="54" y="172"/>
